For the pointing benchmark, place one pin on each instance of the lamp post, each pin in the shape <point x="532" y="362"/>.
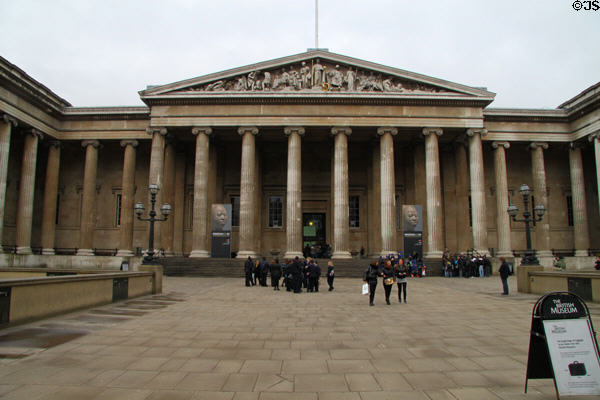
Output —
<point x="139" y="209"/>
<point x="529" y="258"/>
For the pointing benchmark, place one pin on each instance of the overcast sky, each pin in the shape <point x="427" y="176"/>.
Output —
<point x="532" y="53"/>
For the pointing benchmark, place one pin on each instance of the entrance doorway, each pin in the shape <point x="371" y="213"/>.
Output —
<point x="313" y="236"/>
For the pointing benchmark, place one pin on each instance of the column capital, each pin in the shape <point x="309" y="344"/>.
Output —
<point x="129" y="142"/>
<point x="94" y="143"/>
<point x="288" y="130"/>
<point x="151" y="130"/>
<point x="9" y="119"/>
<point x="201" y="129"/>
<point x="341" y="129"/>
<point x="34" y="132"/>
<point x="434" y="131"/>
<point x="576" y="145"/>
<point x="387" y="129"/>
<point x="594" y="136"/>
<point x="535" y="145"/>
<point x="497" y="145"/>
<point x="54" y="143"/>
<point x="474" y="131"/>
<point x="242" y="130"/>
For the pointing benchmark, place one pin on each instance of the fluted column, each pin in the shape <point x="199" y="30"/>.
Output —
<point x="502" y="217"/>
<point x="88" y="201"/>
<point x="6" y="124"/>
<point x="168" y="189"/>
<point x="127" y="198"/>
<point x="247" y="192"/>
<point x="580" y="220"/>
<point x="464" y="238"/>
<point x="294" y="192"/>
<point x="435" y="236"/>
<point x="200" y="222"/>
<point x="480" y="243"/>
<point x="341" y="210"/>
<point x="156" y="173"/>
<point x="26" y="192"/>
<point x="50" y="196"/>
<point x="540" y="193"/>
<point x="388" y="189"/>
<point x="595" y="138"/>
<point x="178" y="205"/>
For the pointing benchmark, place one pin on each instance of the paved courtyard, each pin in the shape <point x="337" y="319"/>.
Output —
<point x="216" y="339"/>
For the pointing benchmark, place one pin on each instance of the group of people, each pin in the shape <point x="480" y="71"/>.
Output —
<point x="297" y="274"/>
<point x="466" y="266"/>
<point x="392" y="270"/>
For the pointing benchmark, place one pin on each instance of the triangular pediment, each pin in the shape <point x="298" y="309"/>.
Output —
<point x="316" y="73"/>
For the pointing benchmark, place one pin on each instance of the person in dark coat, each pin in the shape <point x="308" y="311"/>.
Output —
<point x="263" y="272"/>
<point x="330" y="274"/>
<point x="370" y="276"/>
<point x="297" y="271"/>
<point x="401" y="272"/>
<point x="276" y="272"/>
<point x="504" y="271"/>
<point x="248" y="266"/>
<point x="313" y="277"/>
<point x="388" y="279"/>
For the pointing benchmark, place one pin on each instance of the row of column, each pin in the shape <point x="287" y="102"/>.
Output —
<point x="163" y="164"/>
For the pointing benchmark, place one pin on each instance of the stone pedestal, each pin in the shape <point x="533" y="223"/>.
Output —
<point x="294" y="193"/>
<point x="127" y="199"/>
<point x="26" y="192"/>
<point x="502" y="217"/>
<point x="88" y="200"/>
<point x="522" y="273"/>
<point x="388" y="190"/>
<point x="580" y="220"/>
<point x="50" y="196"/>
<point x="6" y="124"/>
<point x="341" y="216"/>
<point x="478" y="190"/>
<point x="435" y="235"/>
<point x="200" y="223"/>
<point x="247" y="193"/>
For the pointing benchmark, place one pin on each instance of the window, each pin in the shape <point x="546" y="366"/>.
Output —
<point x="275" y="212"/>
<point x="235" y="210"/>
<point x="570" y="210"/>
<point x="470" y="212"/>
<point x="354" y="211"/>
<point x="118" y="210"/>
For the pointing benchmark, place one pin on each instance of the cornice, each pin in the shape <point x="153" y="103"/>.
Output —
<point x="106" y="113"/>
<point x="525" y="115"/>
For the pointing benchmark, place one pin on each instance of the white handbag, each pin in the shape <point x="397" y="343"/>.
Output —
<point x="365" y="288"/>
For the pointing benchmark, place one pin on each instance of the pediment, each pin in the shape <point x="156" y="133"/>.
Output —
<point x="315" y="73"/>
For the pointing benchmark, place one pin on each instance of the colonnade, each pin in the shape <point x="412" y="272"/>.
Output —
<point x="164" y="171"/>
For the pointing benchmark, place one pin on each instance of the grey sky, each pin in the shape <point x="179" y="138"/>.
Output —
<point x="532" y="53"/>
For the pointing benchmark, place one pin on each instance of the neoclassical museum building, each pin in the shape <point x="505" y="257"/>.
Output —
<point x="304" y="150"/>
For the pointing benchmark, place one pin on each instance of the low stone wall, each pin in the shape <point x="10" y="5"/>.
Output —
<point x="69" y="262"/>
<point x="542" y="282"/>
<point x="30" y="298"/>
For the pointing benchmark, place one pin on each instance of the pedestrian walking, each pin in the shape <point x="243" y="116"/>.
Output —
<point x="388" y="280"/>
<point x="401" y="272"/>
<point x="504" y="272"/>
<point x="330" y="274"/>
<point x="276" y="273"/>
<point x="370" y="276"/>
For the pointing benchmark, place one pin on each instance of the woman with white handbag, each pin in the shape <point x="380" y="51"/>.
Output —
<point x="370" y="276"/>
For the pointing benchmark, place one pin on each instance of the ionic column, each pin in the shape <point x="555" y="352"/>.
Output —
<point x="294" y="192"/>
<point x="388" y="189"/>
<point x="463" y="235"/>
<point x="200" y="222"/>
<point x="6" y="124"/>
<point x="88" y="201"/>
<point x="580" y="221"/>
<point x="50" y="196"/>
<point x="478" y="190"/>
<point x="168" y="189"/>
<point x="247" y="192"/>
<point x="540" y="192"/>
<point x="26" y="192"/>
<point x="156" y="173"/>
<point x="178" y="205"/>
<point x="595" y="138"/>
<point x="341" y="210"/>
<point x="502" y="217"/>
<point x="127" y="198"/>
<point x="435" y="236"/>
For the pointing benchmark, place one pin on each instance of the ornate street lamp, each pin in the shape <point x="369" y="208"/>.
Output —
<point x="529" y="258"/>
<point x="139" y="209"/>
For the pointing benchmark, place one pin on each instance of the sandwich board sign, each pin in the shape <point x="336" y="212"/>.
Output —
<point x="563" y="346"/>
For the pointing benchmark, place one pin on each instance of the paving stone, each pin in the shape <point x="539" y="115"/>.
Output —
<point x="320" y="383"/>
<point x="240" y="383"/>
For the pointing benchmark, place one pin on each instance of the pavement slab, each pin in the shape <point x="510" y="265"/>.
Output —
<point x="213" y="338"/>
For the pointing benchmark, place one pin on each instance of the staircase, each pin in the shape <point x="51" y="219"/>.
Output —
<point x="234" y="268"/>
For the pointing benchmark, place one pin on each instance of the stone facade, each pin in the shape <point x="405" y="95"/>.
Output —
<point x="315" y="129"/>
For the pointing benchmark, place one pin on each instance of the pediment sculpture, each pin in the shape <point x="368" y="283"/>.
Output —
<point x="313" y="75"/>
